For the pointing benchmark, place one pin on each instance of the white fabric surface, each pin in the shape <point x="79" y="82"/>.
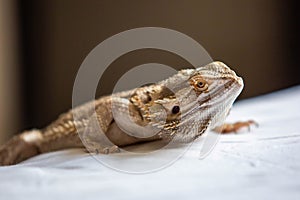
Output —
<point x="261" y="164"/>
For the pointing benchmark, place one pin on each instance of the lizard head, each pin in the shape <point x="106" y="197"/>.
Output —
<point x="193" y="99"/>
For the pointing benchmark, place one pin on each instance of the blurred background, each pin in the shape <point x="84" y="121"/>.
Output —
<point x="43" y="43"/>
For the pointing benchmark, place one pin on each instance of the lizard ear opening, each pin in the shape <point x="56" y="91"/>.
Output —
<point x="175" y="109"/>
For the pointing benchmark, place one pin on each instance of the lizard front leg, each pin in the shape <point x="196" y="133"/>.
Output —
<point x="102" y="133"/>
<point x="94" y="131"/>
<point x="234" y="127"/>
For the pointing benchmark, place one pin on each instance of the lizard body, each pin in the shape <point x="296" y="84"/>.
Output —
<point x="192" y="99"/>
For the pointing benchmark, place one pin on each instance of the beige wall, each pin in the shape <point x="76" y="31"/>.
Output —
<point x="9" y="85"/>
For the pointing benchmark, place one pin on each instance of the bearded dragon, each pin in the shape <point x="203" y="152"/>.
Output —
<point x="181" y="107"/>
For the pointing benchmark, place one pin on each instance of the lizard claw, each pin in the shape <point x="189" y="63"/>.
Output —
<point x="107" y="150"/>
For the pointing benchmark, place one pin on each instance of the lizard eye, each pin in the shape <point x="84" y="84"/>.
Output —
<point x="202" y="85"/>
<point x="175" y="109"/>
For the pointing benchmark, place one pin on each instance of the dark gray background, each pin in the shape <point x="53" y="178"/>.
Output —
<point x="258" y="39"/>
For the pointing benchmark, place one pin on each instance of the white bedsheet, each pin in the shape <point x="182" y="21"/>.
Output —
<point x="261" y="164"/>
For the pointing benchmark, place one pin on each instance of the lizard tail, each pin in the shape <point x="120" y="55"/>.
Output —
<point x="34" y="142"/>
<point x="20" y="147"/>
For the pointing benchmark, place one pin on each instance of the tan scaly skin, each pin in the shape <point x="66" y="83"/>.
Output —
<point x="181" y="107"/>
